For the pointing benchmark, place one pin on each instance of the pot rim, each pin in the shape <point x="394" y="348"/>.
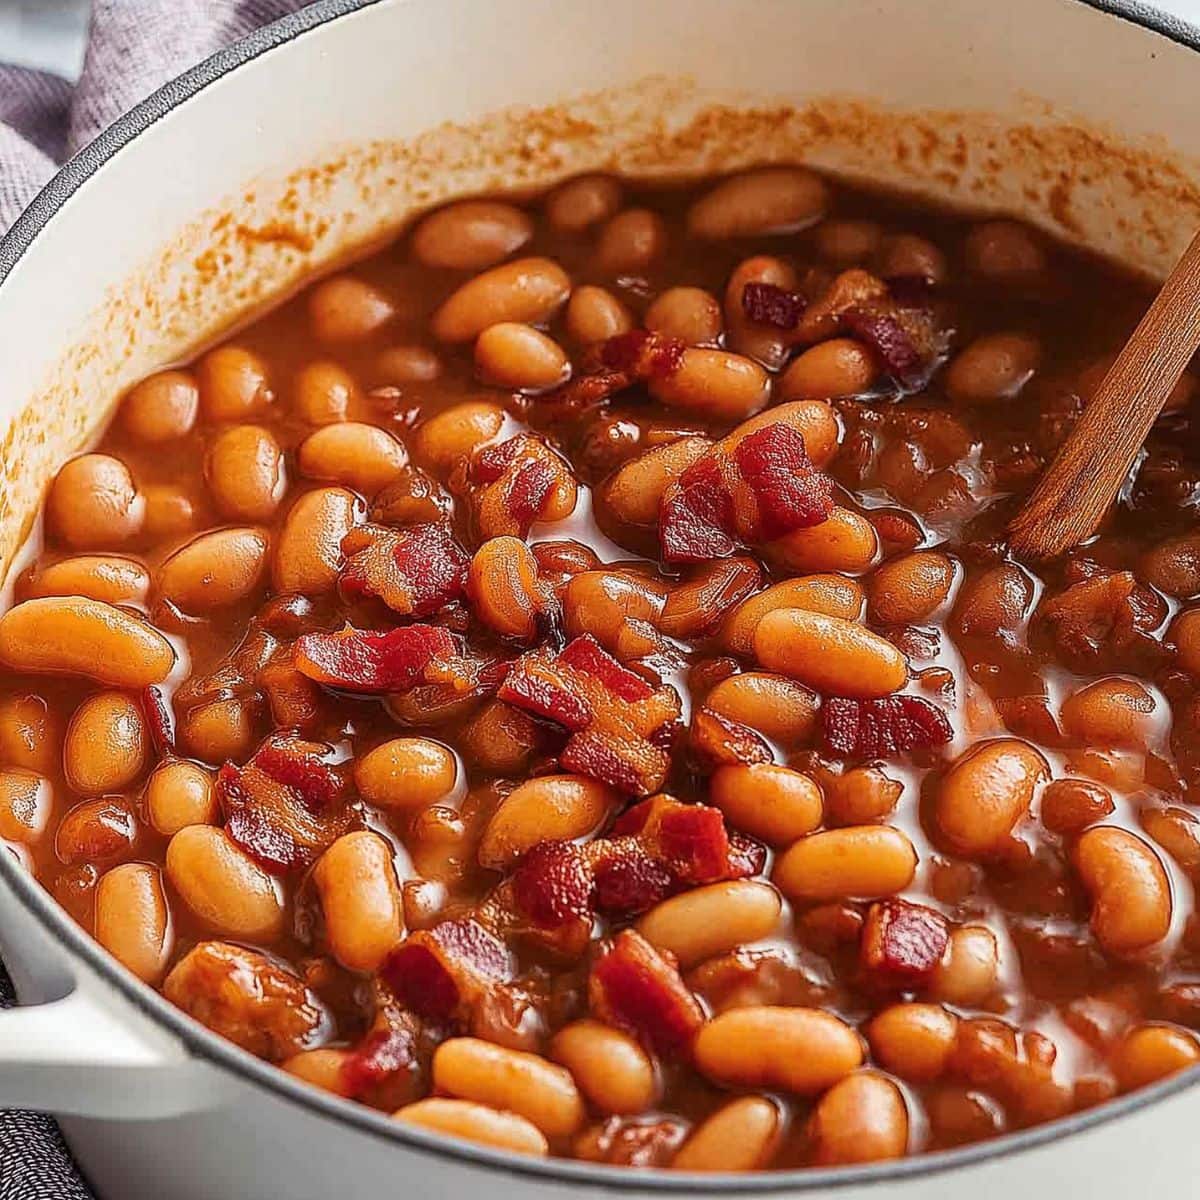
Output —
<point x="223" y="1054"/>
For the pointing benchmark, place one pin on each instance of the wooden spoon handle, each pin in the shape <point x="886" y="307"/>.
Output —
<point x="1073" y="495"/>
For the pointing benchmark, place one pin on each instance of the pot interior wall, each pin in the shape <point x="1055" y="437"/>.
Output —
<point x="205" y="216"/>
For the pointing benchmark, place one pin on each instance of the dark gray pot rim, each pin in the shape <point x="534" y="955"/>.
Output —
<point x="221" y="1053"/>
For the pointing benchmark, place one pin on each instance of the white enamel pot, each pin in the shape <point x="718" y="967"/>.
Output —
<point x="320" y="135"/>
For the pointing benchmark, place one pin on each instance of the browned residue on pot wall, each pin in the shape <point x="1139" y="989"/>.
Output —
<point x="1137" y="204"/>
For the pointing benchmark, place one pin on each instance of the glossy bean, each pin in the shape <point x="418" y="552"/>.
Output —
<point x="550" y="807"/>
<point x="360" y="900"/>
<point x="106" y="746"/>
<point x="215" y="570"/>
<point x="133" y="922"/>
<point x="860" y="862"/>
<point x="528" y="290"/>
<point x="711" y="920"/>
<point x="470" y="235"/>
<point x="609" y="1067"/>
<point x="769" y="802"/>
<point x="1130" y="892"/>
<point x="308" y="551"/>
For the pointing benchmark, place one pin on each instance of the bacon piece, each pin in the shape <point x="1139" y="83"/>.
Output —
<point x="440" y="972"/>
<point x="889" y="339"/>
<point x="902" y="943"/>
<point x="387" y="1051"/>
<point x="629" y="881"/>
<point x="882" y="728"/>
<point x="513" y="484"/>
<point x="610" y="712"/>
<point x="553" y="885"/>
<point x="716" y="741"/>
<point x="769" y="304"/>
<point x="640" y="354"/>
<point x="285" y="806"/>
<point x="159" y="719"/>
<point x="636" y="988"/>
<point x="745" y="490"/>
<point x="370" y="661"/>
<point x="414" y="571"/>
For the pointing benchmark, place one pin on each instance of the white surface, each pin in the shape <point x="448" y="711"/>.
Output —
<point x="44" y="33"/>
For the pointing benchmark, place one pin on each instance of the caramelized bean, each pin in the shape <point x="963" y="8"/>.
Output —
<point x="845" y="242"/>
<point x="635" y="491"/>
<point x="246" y="473"/>
<point x="619" y="610"/>
<point x="71" y="635"/>
<point x="509" y="1080"/>
<point x="740" y="1136"/>
<point x="594" y="314"/>
<point x="162" y="407"/>
<point x="26" y="799"/>
<point x="914" y="1041"/>
<point x="778" y="708"/>
<point x="967" y="974"/>
<point x="859" y="796"/>
<point x="829" y="654"/>
<point x="512" y="355"/>
<point x="345" y="309"/>
<point x="96" y="831"/>
<point x="233" y="384"/>
<point x="833" y="595"/>
<point x="170" y="512"/>
<point x="324" y="1068"/>
<point x="133" y="922"/>
<point x="96" y="576"/>
<point x="216" y="570"/>
<point x="911" y="588"/>
<point x="1004" y="252"/>
<point x="1131" y="895"/>
<point x="711" y="920"/>
<point x="996" y="602"/>
<point x="363" y="457"/>
<point x="609" y="1067"/>
<point x="106" y="744"/>
<point x="581" y="202"/>
<point x="860" y="861"/>
<point x="325" y="393"/>
<point x="1173" y="566"/>
<point x="1149" y="1053"/>
<point x="993" y="368"/>
<point x="408" y="364"/>
<point x="801" y="1050"/>
<point x="834" y="368"/>
<point x="94" y="504"/>
<point x="470" y="235"/>
<point x="769" y="802"/>
<point x="862" y="1118"/>
<point x="308" y="551"/>
<point x="843" y="542"/>
<point x="503" y="586"/>
<point x="1185" y="633"/>
<point x="767" y="200"/>
<point x="549" y="808"/>
<point x="178" y="794"/>
<point x="456" y="433"/>
<point x="714" y="383"/>
<point x="217" y="731"/>
<point x="906" y="254"/>
<point x="30" y="733"/>
<point x="630" y="242"/>
<point x="986" y="793"/>
<point x="407" y="773"/>
<point x="222" y="885"/>
<point x="476" y="1123"/>
<point x="764" y="343"/>
<point x="360" y="900"/>
<point x="1111" y="712"/>
<point x="529" y="290"/>
<point x="688" y="313"/>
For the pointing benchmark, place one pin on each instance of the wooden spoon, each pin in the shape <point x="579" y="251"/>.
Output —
<point x="1073" y="495"/>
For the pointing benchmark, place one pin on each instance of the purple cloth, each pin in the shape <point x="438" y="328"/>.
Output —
<point x="134" y="46"/>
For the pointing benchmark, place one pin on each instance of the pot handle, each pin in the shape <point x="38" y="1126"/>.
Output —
<point x="78" y="1045"/>
<point x="83" y="1056"/>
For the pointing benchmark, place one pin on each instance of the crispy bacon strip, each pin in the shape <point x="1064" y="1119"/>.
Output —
<point x="883" y="728"/>
<point x="747" y="489"/>
<point x="902" y="943"/>
<point x="370" y="661"/>
<point x="414" y="571"/>
<point x="610" y="712"/>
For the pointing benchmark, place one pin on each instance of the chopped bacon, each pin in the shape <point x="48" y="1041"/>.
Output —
<point x="440" y="972"/>
<point x="769" y="304"/>
<point x="903" y="942"/>
<point x="636" y="988"/>
<point x="512" y="484"/>
<point x="369" y="661"/>
<point x="414" y="571"/>
<point x="610" y="712"/>
<point x="882" y="728"/>
<point x="629" y="880"/>
<point x="552" y="885"/>
<point x="889" y="339"/>
<point x="286" y="805"/>
<point x="387" y="1051"/>
<point x="641" y="354"/>
<point x="159" y="719"/>
<point x="716" y="741"/>
<point x="747" y="489"/>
